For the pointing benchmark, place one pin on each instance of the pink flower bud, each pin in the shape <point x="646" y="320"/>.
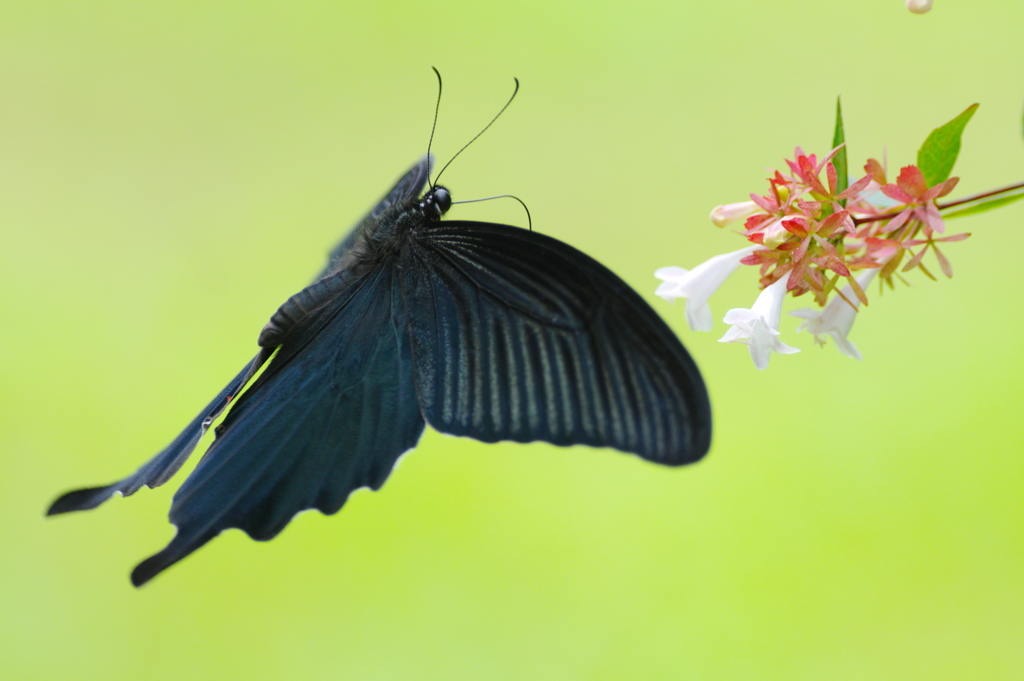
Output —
<point x="731" y="212"/>
<point x="919" y="6"/>
<point x="775" y="233"/>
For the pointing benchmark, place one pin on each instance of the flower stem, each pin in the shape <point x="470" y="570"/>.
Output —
<point x="978" y="197"/>
<point x="941" y="206"/>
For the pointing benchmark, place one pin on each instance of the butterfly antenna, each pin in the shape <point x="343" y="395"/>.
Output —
<point x="529" y="220"/>
<point x="481" y="132"/>
<point x="437" y="107"/>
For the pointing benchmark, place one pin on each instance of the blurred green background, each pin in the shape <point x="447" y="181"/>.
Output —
<point x="170" y="172"/>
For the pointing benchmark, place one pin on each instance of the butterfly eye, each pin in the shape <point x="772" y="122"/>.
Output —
<point x="443" y="199"/>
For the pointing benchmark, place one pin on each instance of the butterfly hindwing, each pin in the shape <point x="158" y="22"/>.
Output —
<point x="518" y="336"/>
<point x="166" y="463"/>
<point x="329" y="419"/>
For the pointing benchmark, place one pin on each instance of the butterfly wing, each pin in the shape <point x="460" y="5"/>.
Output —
<point x="518" y="336"/>
<point x="411" y="185"/>
<point x="166" y="463"/>
<point x="332" y="412"/>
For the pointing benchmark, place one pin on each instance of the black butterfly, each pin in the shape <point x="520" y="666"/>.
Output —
<point x="483" y="330"/>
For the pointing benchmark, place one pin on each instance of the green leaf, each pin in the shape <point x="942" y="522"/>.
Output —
<point x="983" y="206"/>
<point x="937" y="155"/>
<point x="839" y="160"/>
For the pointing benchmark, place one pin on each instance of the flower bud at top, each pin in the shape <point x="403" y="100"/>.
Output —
<point x="919" y="6"/>
<point x="731" y="212"/>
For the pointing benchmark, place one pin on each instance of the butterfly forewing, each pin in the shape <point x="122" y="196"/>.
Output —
<point x="518" y="336"/>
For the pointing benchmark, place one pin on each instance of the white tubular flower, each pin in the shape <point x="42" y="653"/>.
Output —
<point x="837" y="318"/>
<point x="919" y="6"/>
<point x="698" y="285"/>
<point x="731" y="212"/>
<point x="758" y="327"/>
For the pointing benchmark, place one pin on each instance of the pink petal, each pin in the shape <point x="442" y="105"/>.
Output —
<point x="913" y="262"/>
<point x="932" y="218"/>
<point x="898" y="221"/>
<point x="896" y="194"/>
<point x="955" y="237"/>
<point x="912" y="181"/>
<point x="875" y="241"/>
<point x="855" y="285"/>
<point x="816" y="184"/>
<point x="831" y="222"/>
<point x="754" y="222"/>
<point x="947" y="269"/>
<point x="797" y="273"/>
<point x="885" y="253"/>
<point x="806" y="168"/>
<point x="830" y="156"/>
<point x="855" y="188"/>
<point x="830" y="262"/>
<point x="948" y="186"/>
<point x="764" y="202"/>
<point x="875" y="170"/>
<point x="799" y="253"/>
<point x="797" y="226"/>
<point x="941" y="189"/>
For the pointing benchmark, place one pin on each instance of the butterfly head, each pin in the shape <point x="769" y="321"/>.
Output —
<point x="437" y="201"/>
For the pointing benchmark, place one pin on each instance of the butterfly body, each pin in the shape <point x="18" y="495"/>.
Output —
<point x="377" y="239"/>
<point x="479" y="329"/>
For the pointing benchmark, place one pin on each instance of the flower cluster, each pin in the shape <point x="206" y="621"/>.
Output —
<point x="818" y="234"/>
<point x="814" y="234"/>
